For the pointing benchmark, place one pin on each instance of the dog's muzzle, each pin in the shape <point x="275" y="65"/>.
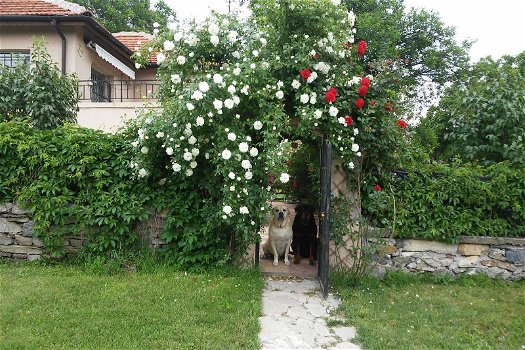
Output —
<point x="281" y="216"/>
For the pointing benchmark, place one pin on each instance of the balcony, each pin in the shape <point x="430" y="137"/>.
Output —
<point x="117" y="90"/>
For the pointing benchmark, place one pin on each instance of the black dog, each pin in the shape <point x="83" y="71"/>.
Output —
<point x="305" y="241"/>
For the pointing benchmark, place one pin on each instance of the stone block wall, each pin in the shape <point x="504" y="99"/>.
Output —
<point x="496" y="257"/>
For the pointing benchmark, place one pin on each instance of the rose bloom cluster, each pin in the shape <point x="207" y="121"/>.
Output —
<point x="224" y="104"/>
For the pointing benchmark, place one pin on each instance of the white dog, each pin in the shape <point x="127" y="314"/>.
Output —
<point x="279" y="235"/>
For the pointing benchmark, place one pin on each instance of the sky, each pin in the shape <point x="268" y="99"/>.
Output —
<point x="497" y="26"/>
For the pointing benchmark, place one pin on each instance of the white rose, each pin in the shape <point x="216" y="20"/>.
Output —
<point x="190" y="106"/>
<point x="195" y="152"/>
<point x="356" y="131"/>
<point x="304" y="98"/>
<point x="317" y="114"/>
<point x="232" y="188"/>
<point x="231" y="89"/>
<point x="204" y="87"/>
<point x="236" y="100"/>
<point x="213" y="29"/>
<point x="313" y="99"/>
<point x="296" y="84"/>
<point x="254" y="152"/>
<point x="279" y="94"/>
<point x="177" y="36"/>
<point x="217" y="104"/>
<point x="181" y="60"/>
<point x="169" y="45"/>
<point x="160" y="135"/>
<point x="189" y="172"/>
<point x="246" y="164"/>
<point x="217" y="78"/>
<point x="257" y="125"/>
<point x="252" y="66"/>
<point x="200" y="121"/>
<point x="144" y="150"/>
<point x="244" y="210"/>
<point x="255" y="53"/>
<point x="232" y="36"/>
<point x="351" y="165"/>
<point x="243" y="147"/>
<point x="358" y="154"/>
<point x="263" y="41"/>
<point x="232" y="136"/>
<point x="226" y="154"/>
<point x="160" y="57"/>
<point x="231" y="175"/>
<point x="169" y="151"/>
<point x="355" y="147"/>
<point x="284" y="178"/>
<point x="333" y="111"/>
<point x="175" y="78"/>
<point x="248" y="175"/>
<point x="227" y="209"/>
<point x="236" y="54"/>
<point x="228" y="103"/>
<point x="187" y="156"/>
<point x="197" y="95"/>
<point x="214" y="39"/>
<point x="142" y="172"/>
<point x="237" y="71"/>
<point x="341" y="120"/>
<point x="192" y="140"/>
<point x="193" y="164"/>
<point x="312" y="77"/>
<point x="176" y="167"/>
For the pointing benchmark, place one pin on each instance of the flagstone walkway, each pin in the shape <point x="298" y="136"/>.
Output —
<point x="295" y="317"/>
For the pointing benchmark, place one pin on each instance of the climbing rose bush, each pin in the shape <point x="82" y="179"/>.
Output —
<point x="231" y="92"/>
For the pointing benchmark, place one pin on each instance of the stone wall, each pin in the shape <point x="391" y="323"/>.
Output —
<point x="496" y="257"/>
<point x="17" y="241"/>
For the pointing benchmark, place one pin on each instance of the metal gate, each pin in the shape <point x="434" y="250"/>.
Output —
<point x="324" y="217"/>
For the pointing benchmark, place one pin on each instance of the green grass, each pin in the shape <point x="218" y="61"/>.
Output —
<point x="419" y="312"/>
<point x="70" y="307"/>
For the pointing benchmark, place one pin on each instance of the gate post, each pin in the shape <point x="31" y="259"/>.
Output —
<point x="324" y="218"/>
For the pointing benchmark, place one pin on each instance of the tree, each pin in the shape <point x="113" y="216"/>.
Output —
<point x="482" y="118"/>
<point x="38" y="92"/>
<point x="417" y="42"/>
<point x="128" y="15"/>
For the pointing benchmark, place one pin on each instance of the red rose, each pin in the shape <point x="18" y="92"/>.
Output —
<point x="389" y="106"/>
<point x="363" y="90"/>
<point x="365" y="81"/>
<point x="330" y="97"/>
<point x="316" y="56"/>
<point x="377" y="188"/>
<point x="333" y="91"/>
<point x="347" y="45"/>
<point x="361" y="48"/>
<point x="359" y="103"/>
<point x="348" y="120"/>
<point x="402" y="124"/>
<point x="372" y="103"/>
<point x="305" y="73"/>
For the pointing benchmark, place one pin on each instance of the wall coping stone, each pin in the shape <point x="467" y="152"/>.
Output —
<point x="515" y="241"/>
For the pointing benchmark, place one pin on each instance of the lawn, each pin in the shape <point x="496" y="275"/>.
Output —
<point x="418" y="312"/>
<point x="65" y="307"/>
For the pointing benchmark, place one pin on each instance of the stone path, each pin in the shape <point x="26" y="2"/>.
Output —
<point x="295" y="317"/>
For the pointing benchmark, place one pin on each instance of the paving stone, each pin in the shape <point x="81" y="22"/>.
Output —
<point x="345" y="333"/>
<point x="347" y="346"/>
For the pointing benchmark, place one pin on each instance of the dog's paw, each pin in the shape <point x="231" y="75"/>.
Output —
<point x="275" y="263"/>
<point x="287" y="263"/>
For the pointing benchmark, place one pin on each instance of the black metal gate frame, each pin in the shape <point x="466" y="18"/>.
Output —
<point x="324" y="217"/>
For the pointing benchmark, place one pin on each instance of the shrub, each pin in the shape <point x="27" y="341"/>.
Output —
<point x="72" y="175"/>
<point x="38" y="92"/>
<point x="441" y="202"/>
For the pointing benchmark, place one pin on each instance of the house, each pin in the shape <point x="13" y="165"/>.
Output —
<point x="111" y="88"/>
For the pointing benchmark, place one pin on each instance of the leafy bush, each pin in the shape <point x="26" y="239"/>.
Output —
<point x="38" y="92"/>
<point x="72" y="175"/>
<point x="443" y="203"/>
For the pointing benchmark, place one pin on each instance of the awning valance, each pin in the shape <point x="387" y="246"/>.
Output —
<point x="106" y="56"/>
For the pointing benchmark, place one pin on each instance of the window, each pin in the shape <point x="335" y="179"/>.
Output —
<point x="101" y="88"/>
<point x="12" y="59"/>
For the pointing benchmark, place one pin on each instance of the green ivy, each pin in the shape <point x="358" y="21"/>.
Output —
<point x="75" y="181"/>
<point x="443" y="203"/>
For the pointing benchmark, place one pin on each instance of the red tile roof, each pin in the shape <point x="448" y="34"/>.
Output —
<point x="134" y="40"/>
<point x="41" y="8"/>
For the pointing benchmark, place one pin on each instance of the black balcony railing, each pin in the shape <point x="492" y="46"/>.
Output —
<point x="117" y="90"/>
